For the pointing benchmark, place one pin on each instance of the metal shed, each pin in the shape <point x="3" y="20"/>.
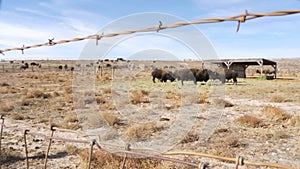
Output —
<point x="240" y="65"/>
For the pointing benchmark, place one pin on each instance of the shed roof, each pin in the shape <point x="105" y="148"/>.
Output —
<point x="253" y="61"/>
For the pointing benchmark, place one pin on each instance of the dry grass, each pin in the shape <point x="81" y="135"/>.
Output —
<point x="19" y="116"/>
<point x="278" y="98"/>
<point x="294" y="121"/>
<point x="111" y="118"/>
<point x="37" y="94"/>
<point x="102" y="159"/>
<point x="7" y="106"/>
<point x="142" y="131"/>
<point x="100" y="100"/>
<point x="172" y="95"/>
<point x="275" y="114"/>
<point x="226" y="146"/>
<point x="250" y="121"/>
<point x="72" y="149"/>
<point x="190" y="137"/>
<point x="70" y="121"/>
<point x="139" y="96"/>
<point x="68" y="90"/>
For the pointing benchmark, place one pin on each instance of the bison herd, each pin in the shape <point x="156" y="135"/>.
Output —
<point x="195" y="75"/>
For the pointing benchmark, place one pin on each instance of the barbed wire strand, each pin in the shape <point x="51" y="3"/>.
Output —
<point x="239" y="18"/>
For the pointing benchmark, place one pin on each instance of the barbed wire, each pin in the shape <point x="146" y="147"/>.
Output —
<point x="241" y="18"/>
<point x="137" y="152"/>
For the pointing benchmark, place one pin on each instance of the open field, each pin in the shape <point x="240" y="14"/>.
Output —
<point x="256" y="119"/>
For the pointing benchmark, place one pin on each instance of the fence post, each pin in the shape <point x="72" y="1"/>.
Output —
<point x="127" y="148"/>
<point x="2" y="123"/>
<point x="91" y="153"/>
<point x="48" y="149"/>
<point x="26" y="151"/>
<point x="239" y="161"/>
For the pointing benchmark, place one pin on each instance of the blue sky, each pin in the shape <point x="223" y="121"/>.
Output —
<point x="30" y="22"/>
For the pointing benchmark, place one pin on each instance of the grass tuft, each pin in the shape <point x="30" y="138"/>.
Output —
<point x="250" y="121"/>
<point x="275" y="114"/>
<point x="142" y="131"/>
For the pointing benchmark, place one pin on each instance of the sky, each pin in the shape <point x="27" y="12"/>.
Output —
<point x="24" y="22"/>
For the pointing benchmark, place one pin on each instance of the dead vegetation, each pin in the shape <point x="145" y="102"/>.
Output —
<point x="139" y="96"/>
<point x="275" y="114"/>
<point x="142" y="131"/>
<point x="250" y="121"/>
<point x="102" y="159"/>
<point x="47" y="98"/>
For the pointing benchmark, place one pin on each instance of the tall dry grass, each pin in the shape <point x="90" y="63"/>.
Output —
<point x="275" y="114"/>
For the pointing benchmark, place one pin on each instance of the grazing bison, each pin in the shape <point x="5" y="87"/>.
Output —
<point x="34" y="64"/>
<point x="196" y="75"/>
<point x="60" y="67"/>
<point x="24" y="67"/>
<point x="266" y="71"/>
<point x="217" y="75"/>
<point x="162" y="75"/>
<point x="231" y="74"/>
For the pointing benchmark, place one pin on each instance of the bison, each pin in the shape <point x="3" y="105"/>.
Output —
<point x="266" y="71"/>
<point x="196" y="75"/>
<point x="231" y="74"/>
<point x="162" y="75"/>
<point x="24" y="67"/>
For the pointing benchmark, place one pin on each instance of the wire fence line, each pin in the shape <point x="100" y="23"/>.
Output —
<point x="128" y="150"/>
<point x="241" y="18"/>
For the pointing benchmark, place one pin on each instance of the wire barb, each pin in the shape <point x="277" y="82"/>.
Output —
<point x="22" y="49"/>
<point x="98" y="37"/>
<point x="50" y="42"/>
<point x="159" y="27"/>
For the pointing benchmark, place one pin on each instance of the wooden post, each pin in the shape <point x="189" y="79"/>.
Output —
<point x="48" y="149"/>
<point x="90" y="154"/>
<point x="26" y="151"/>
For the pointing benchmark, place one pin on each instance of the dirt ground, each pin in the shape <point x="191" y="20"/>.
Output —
<point x="256" y="119"/>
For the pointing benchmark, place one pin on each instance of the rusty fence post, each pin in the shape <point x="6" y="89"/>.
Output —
<point x="127" y="148"/>
<point x="49" y="145"/>
<point x="26" y="151"/>
<point x="91" y="153"/>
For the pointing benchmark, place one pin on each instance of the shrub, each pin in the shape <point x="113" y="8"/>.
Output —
<point x="275" y="114"/>
<point x="7" y="107"/>
<point x="250" y="121"/>
<point x="110" y="118"/>
<point x="102" y="159"/>
<point x="142" y="131"/>
<point x="38" y="94"/>
<point x="138" y="96"/>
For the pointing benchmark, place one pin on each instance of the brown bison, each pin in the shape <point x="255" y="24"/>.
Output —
<point x="231" y="74"/>
<point x="162" y="75"/>
<point x="196" y="75"/>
